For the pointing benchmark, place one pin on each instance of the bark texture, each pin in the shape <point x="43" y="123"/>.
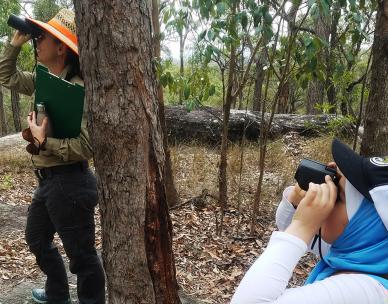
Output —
<point x="375" y="139"/>
<point x="121" y="92"/>
<point x="331" y="58"/>
<point x="3" y="122"/>
<point x="316" y="92"/>
<point x="259" y="79"/>
<point x="286" y="91"/>
<point x="15" y="102"/>
<point x="222" y="178"/>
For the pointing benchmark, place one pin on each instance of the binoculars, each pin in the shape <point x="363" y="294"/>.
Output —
<point x="314" y="171"/>
<point x="24" y="25"/>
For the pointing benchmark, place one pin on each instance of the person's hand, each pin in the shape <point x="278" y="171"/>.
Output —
<point x="313" y="209"/>
<point x="296" y="195"/>
<point x="19" y="39"/>
<point x="38" y="132"/>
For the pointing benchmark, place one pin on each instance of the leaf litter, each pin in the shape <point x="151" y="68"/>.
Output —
<point x="209" y="265"/>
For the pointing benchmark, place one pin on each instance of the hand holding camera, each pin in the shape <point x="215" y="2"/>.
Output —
<point x="313" y="209"/>
<point x="310" y="171"/>
<point x="296" y="195"/>
<point x="314" y="195"/>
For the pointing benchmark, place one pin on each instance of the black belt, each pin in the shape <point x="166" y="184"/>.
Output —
<point x="44" y="173"/>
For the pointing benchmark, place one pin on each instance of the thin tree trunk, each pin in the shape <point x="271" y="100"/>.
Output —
<point x="3" y="122"/>
<point x="265" y="127"/>
<point x="348" y="100"/>
<point x="315" y="93"/>
<point x="222" y="178"/>
<point x="283" y="106"/>
<point x="171" y="192"/>
<point x="375" y="139"/>
<point x="283" y="98"/>
<point x="330" y="59"/>
<point x="241" y="76"/>
<point x="259" y="78"/>
<point x="181" y="65"/>
<point x="15" y="102"/>
<point x="121" y="92"/>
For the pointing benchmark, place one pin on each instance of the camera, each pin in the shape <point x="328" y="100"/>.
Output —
<point x="314" y="171"/>
<point x="24" y="25"/>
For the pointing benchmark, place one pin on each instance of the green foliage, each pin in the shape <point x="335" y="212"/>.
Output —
<point x="26" y="59"/>
<point x="337" y="125"/>
<point x="241" y="23"/>
<point x="7" y="7"/>
<point x="324" y="107"/>
<point x="25" y="107"/>
<point x="44" y="10"/>
<point x="6" y="182"/>
<point x="196" y="87"/>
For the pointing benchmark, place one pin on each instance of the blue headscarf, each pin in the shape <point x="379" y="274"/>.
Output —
<point x="362" y="247"/>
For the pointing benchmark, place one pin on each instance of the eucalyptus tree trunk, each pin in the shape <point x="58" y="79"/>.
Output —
<point x="291" y="30"/>
<point x="182" y="41"/>
<point x="288" y="86"/>
<point x="259" y="78"/>
<point x="348" y="100"/>
<point x="241" y="76"/>
<point x="116" y="53"/>
<point x="222" y="174"/>
<point x="171" y="193"/>
<point x="316" y="89"/>
<point x="15" y="103"/>
<point x="3" y="122"/>
<point x="375" y="139"/>
<point x="181" y="63"/>
<point x="330" y="59"/>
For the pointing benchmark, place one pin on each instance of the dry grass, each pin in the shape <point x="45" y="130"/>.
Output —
<point x="14" y="160"/>
<point x="196" y="167"/>
<point x="209" y="266"/>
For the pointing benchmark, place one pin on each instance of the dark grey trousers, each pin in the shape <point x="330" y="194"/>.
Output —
<point x="64" y="203"/>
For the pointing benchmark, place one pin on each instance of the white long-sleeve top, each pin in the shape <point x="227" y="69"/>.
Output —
<point x="267" y="278"/>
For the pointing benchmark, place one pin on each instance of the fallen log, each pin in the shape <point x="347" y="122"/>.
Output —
<point x="205" y="125"/>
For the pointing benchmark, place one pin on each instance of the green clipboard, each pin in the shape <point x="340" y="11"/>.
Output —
<point x="63" y="100"/>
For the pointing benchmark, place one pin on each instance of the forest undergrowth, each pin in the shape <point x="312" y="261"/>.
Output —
<point x="209" y="265"/>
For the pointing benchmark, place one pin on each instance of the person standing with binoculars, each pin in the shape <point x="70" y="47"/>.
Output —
<point x="66" y="197"/>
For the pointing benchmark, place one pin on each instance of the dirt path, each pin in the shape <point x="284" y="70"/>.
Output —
<point x="12" y="223"/>
<point x="13" y="140"/>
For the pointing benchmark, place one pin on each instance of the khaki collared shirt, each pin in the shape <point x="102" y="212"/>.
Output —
<point x="58" y="151"/>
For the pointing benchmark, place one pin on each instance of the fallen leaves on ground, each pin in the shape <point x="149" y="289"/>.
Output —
<point x="209" y="265"/>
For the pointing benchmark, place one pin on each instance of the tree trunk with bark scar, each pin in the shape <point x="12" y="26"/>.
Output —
<point x="15" y="102"/>
<point x="375" y="139"/>
<point x="121" y="92"/>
